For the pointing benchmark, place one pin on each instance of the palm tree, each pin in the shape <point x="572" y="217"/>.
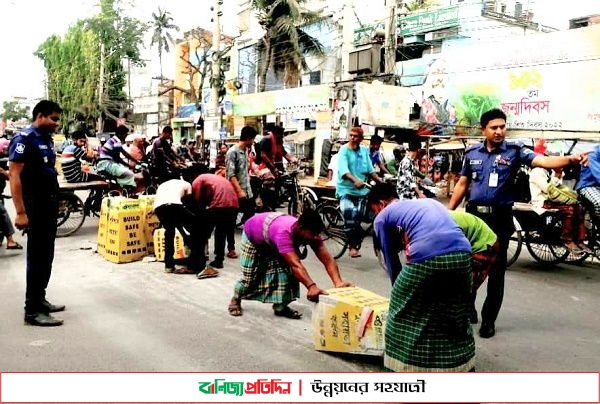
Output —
<point x="285" y="44"/>
<point x="162" y="23"/>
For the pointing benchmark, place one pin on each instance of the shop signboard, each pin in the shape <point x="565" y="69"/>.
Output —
<point x="428" y="21"/>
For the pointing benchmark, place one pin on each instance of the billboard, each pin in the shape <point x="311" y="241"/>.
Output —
<point x="542" y="82"/>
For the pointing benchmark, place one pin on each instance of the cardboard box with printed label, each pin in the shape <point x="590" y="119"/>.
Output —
<point x="102" y="228"/>
<point x="350" y="320"/>
<point x="125" y="239"/>
<point x="181" y="250"/>
<point x="151" y="221"/>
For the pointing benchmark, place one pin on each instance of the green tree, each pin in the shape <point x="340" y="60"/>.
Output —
<point x="284" y="45"/>
<point x="12" y="111"/>
<point x="161" y="35"/>
<point x="72" y="72"/>
<point x="90" y="53"/>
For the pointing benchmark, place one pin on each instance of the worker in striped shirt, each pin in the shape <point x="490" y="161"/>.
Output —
<point x="72" y="157"/>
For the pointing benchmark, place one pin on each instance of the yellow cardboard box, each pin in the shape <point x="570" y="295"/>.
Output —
<point x="125" y="239"/>
<point x="103" y="228"/>
<point x="181" y="250"/>
<point x="350" y="320"/>
<point x="151" y="221"/>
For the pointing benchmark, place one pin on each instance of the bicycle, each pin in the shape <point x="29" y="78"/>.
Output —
<point x="541" y="234"/>
<point x="334" y="236"/>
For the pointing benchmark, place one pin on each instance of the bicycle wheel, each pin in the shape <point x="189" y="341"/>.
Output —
<point x="71" y="214"/>
<point x="544" y="252"/>
<point x="334" y="236"/>
<point x="515" y="244"/>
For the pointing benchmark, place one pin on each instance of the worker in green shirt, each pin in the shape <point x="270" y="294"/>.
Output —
<point x="484" y="249"/>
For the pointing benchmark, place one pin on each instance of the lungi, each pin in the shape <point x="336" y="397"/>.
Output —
<point x="266" y="277"/>
<point x="428" y="328"/>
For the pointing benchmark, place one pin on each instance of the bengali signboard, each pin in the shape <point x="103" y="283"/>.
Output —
<point x="428" y="21"/>
<point x="542" y="82"/>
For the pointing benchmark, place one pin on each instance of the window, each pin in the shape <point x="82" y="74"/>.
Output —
<point x="315" y="77"/>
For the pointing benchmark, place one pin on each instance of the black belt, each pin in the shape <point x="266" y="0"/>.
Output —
<point x="488" y="209"/>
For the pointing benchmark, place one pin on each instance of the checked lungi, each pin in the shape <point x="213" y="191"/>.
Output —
<point x="265" y="276"/>
<point x="428" y="328"/>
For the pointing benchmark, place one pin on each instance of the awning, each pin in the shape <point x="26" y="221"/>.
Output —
<point x="302" y="136"/>
<point x="447" y="145"/>
<point x="186" y="110"/>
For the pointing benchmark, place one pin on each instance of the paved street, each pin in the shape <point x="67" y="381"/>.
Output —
<point x="135" y="318"/>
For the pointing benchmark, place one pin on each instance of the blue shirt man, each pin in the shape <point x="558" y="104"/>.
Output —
<point x="589" y="181"/>
<point x="34" y="188"/>
<point x="490" y="169"/>
<point x="354" y="169"/>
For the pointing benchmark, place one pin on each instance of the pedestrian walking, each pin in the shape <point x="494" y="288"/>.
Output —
<point x="271" y="268"/>
<point x="489" y="171"/>
<point x="34" y="189"/>
<point x="427" y="328"/>
<point x="236" y="163"/>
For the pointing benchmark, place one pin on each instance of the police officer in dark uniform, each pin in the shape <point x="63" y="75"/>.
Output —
<point x="490" y="169"/>
<point x="34" y="189"/>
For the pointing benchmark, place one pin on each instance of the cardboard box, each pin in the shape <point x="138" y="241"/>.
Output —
<point x="125" y="239"/>
<point x="151" y="221"/>
<point x="103" y="228"/>
<point x="350" y="320"/>
<point x="181" y="250"/>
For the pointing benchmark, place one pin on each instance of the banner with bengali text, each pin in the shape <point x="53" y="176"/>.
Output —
<point x="299" y="387"/>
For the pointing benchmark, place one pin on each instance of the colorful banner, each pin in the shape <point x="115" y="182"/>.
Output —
<point x="299" y="387"/>
<point x="542" y="81"/>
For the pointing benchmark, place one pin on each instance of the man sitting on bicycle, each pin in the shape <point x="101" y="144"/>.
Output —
<point x="272" y="154"/>
<point x="72" y="157"/>
<point x="354" y="169"/>
<point x="110" y="162"/>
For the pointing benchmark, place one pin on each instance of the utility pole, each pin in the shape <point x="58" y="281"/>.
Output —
<point x="100" y="122"/>
<point x="213" y="122"/>
<point x="390" y="35"/>
<point x="347" y="38"/>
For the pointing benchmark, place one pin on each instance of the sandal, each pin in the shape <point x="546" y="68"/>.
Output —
<point x="208" y="273"/>
<point x="288" y="313"/>
<point x="15" y="246"/>
<point x="235" y="309"/>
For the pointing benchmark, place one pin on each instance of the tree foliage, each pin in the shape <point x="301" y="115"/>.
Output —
<point x="73" y="64"/>
<point x="161" y="35"/>
<point x="12" y="111"/>
<point x="284" y="45"/>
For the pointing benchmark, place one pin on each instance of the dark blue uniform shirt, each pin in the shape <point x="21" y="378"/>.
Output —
<point x="39" y="177"/>
<point x="480" y="165"/>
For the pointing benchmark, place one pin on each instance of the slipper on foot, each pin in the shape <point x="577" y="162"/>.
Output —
<point x="288" y="313"/>
<point x="207" y="273"/>
<point x="15" y="246"/>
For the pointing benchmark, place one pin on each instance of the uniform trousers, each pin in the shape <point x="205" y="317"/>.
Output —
<point x="500" y="220"/>
<point x="41" y="234"/>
